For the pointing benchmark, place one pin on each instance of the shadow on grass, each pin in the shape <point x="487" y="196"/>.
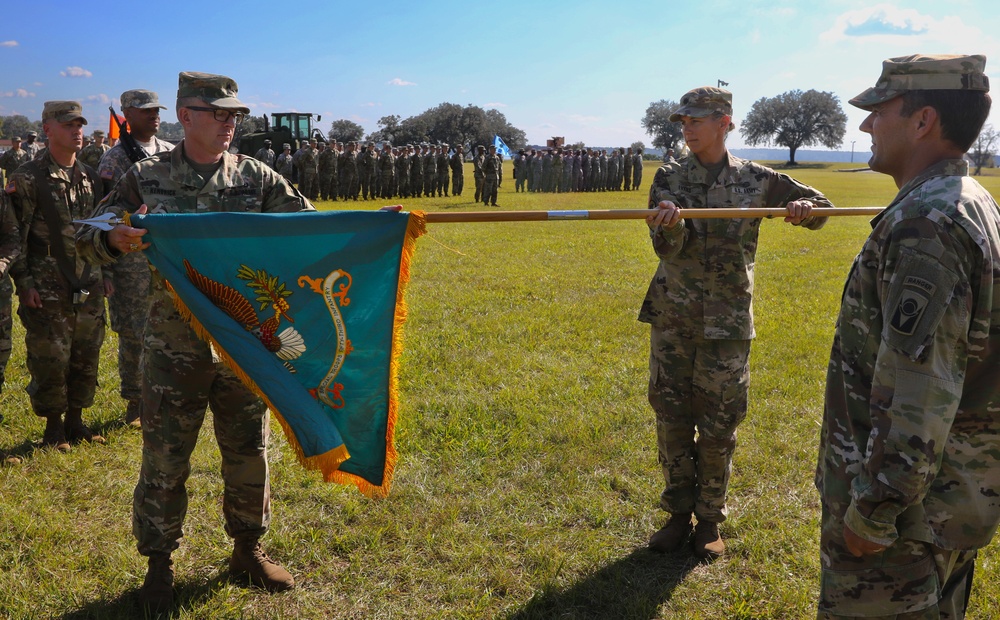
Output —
<point x="633" y="587"/>
<point x="187" y="594"/>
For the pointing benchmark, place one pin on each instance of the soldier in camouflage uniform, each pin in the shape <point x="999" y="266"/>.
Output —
<point x="403" y="172"/>
<point x="31" y="144"/>
<point x="699" y="306"/>
<point x="387" y="171"/>
<point x="430" y="170"/>
<point x="91" y="155"/>
<point x="416" y="173"/>
<point x="491" y="176"/>
<point x="265" y="154"/>
<point x="284" y="165"/>
<point x="10" y="249"/>
<point x="477" y="170"/>
<point x="307" y="170"/>
<point x="180" y="376"/>
<point x="442" y="170"/>
<point x="908" y="468"/>
<point x="61" y="297"/>
<point x="457" y="164"/>
<point x="13" y="157"/>
<point x="326" y="170"/>
<point x="627" y="170"/>
<point x="637" y="169"/>
<point x="128" y="303"/>
<point x="348" y="165"/>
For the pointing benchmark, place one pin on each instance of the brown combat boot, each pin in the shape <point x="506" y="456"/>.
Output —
<point x="673" y="535"/>
<point x="707" y="540"/>
<point x="55" y="434"/>
<point x="77" y="431"/>
<point x="133" y="414"/>
<point x="249" y="560"/>
<point x="157" y="591"/>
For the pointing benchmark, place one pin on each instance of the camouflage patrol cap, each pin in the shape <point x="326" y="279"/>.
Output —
<point x="267" y="141"/>
<point x="923" y="72"/>
<point x="97" y="133"/>
<point x="286" y="146"/>
<point x="141" y="99"/>
<point x="62" y="112"/>
<point x="32" y="134"/>
<point x="16" y="139"/>
<point x="217" y="90"/>
<point x="704" y="101"/>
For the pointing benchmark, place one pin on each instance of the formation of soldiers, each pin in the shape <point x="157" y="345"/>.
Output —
<point x="577" y="170"/>
<point x="353" y="171"/>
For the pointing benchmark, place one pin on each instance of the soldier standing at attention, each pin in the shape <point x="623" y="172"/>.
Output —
<point x="491" y="177"/>
<point x="457" y="164"/>
<point x="31" y="144"/>
<point x="442" y="169"/>
<point x="265" y="154"/>
<point x="699" y="306"/>
<point x="180" y="377"/>
<point x="348" y="164"/>
<point x="403" y="172"/>
<point x="91" y="154"/>
<point x="908" y="467"/>
<point x="477" y="170"/>
<point x="637" y="169"/>
<point x="61" y="297"/>
<point x="284" y="164"/>
<point x="307" y="169"/>
<point x="13" y="157"/>
<point x="387" y="171"/>
<point x="416" y="173"/>
<point x="627" y="169"/>
<point x="326" y="167"/>
<point x="128" y="302"/>
<point x="10" y="249"/>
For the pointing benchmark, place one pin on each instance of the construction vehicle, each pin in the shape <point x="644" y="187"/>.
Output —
<point x="294" y="128"/>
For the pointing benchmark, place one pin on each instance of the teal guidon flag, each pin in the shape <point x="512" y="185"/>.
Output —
<point x="308" y="309"/>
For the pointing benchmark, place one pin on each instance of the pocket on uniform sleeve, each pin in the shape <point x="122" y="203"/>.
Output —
<point x="918" y="297"/>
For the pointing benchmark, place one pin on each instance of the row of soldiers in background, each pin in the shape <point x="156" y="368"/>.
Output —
<point x="339" y="171"/>
<point x="581" y="170"/>
<point x="20" y="152"/>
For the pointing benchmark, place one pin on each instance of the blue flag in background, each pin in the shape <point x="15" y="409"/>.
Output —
<point x="502" y="147"/>
<point x="308" y="309"/>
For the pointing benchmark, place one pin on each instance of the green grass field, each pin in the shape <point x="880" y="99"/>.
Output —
<point x="527" y="483"/>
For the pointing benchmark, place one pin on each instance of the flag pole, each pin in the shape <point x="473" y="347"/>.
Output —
<point x="445" y="217"/>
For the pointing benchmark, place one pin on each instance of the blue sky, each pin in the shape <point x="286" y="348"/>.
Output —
<point x="585" y="70"/>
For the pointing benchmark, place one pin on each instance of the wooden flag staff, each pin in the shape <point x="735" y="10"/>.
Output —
<point x="624" y="214"/>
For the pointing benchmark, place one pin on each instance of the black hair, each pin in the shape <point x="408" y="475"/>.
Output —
<point x="962" y="112"/>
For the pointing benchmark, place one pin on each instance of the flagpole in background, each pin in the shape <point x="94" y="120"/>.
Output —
<point x="625" y="214"/>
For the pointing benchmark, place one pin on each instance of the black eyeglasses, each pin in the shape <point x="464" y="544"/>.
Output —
<point x="220" y="114"/>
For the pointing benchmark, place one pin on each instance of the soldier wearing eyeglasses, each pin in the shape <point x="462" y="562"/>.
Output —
<point x="180" y="376"/>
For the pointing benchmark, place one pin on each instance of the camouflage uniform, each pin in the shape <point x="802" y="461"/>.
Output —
<point x="91" y="155"/>
<point x="307" y="172"/>
<point x="699" y="305"/>
<point x="430" y="172"/>
<point x="266" y="155"/>
<point x="34" y="147"/>
<point x="348" y="165"/>
<point x="403" y="173"/>
<point x="442" y="170"/>
<point x="10" y="249"/>
<point x="416" y="173"/>
<point x="129" y="304"/>
<point x="910" y="436"/>
<point x="62" y="338"/>
<point x="627" y="170"/>
<point x="491" y="178"/>
<point x="11" y="159"/>
<point x="387" y="173"/>
<point x="457" y="164"/>
<point x="326" y="172"/>
<point x="180" y="376"/>
<point x="636" y="169"/>
<point x="477" y="171"/>
<point x="285" y="166"/>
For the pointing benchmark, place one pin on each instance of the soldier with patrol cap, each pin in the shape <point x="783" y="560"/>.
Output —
<point x="61" y="296"/>
<point x="266" y="153"/>
<point x="908" y="467"/>
<point x="180" y="376"/>
<point x="13" y="157"/>
<point x="91" y="154"/>
<point x="284" y="164"/>
<point x="31" y="144"/>
<point x="128" y="302"/>
<point x="699" y="307"/>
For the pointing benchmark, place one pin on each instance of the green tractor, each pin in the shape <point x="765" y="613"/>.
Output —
<point x="294" y="128"/>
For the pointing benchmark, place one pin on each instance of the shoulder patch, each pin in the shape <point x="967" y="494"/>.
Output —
<point x="107" y="174"/>
<point x="919" y="293"/>
<point x="11" y="187"/>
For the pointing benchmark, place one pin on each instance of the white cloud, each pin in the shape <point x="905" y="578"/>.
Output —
<point x="76" y="72"/>
<point x="9" y="43"/>
<point x="582" y="118"/>
<point x="101" y="98"/>
<point x="371" y="104"/>
<point x="888" y="23"/>
<point x="21" y="93"/>
<point x="400" y="82"/>
<point x="495" y="104"/>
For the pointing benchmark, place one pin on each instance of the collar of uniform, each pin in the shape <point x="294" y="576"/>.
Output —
<point x="697" y="173"/>
<point x="943" y="168"/>
<point x="222" y="179"/>
<point x="58" y="173"/>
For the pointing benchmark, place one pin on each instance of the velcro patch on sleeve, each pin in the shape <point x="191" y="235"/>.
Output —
<point x="918" y="296"/>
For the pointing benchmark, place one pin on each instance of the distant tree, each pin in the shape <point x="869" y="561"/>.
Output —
<point x="344" y="130"/>
<point x="18" y="125"/>
<point x="251" y="124"/>
<point x="656" y="122"/>
<point x="637" y="146"/>
<point x="984" y="148"/>
<point x="171" y="132"/>
<point x="388" y="127"/>
<point x="796" y="119"/>
<point x="577" y="146"/>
